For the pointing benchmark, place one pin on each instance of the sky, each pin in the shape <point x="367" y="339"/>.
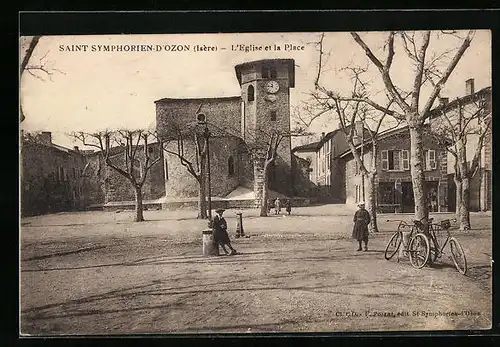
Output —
<point x="94" y="90"/>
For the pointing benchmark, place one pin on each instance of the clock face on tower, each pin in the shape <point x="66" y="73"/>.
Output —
<point x="272" y="87"/>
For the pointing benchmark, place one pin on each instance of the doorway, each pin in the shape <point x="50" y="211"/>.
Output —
<point x="407" y="202"/>
<point x="431" y="188"/>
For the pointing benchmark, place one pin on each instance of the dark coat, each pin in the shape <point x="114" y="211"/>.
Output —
<point x="361" y="221"/>
<point x="288" y="205"/>
<point x="220" y="230"/>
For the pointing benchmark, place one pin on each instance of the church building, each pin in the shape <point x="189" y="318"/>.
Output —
<point x="237" y="125"/>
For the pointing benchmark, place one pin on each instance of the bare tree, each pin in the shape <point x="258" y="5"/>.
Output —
<point x="125" y="152"/>
<point x="265" y="153"/>
<point x="187" y="135"/>
<point x="424" y="70"/>
<point x="459" y="125"/>
<point x="350" y="111"/>
<point x="263" y="147"/>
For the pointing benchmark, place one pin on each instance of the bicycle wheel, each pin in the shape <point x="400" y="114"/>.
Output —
<point x="458" y="255"/>
<point x="419" y="251"/>
<point x="393" y="245"/>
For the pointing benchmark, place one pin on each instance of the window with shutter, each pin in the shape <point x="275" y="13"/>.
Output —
<point x="432" y="159"/>
<point x="385" y="160"/>
<point x="396" y="161"/>
<point x="405" y="155"/>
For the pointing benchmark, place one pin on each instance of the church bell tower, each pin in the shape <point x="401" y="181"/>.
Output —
<point x="265" y="92"/>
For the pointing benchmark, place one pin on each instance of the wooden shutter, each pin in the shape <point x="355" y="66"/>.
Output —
<point x="385" y="160"/>
<point x="405" y="157"/>
<point x="432" y="159"/>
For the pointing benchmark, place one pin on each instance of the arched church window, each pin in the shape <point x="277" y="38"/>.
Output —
<point x="273" y="73"/>
<point x="251" y="93"/>
<point x="230" y="166"/>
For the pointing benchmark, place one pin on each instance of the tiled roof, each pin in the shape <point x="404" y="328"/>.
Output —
<point x="307" y="148"/>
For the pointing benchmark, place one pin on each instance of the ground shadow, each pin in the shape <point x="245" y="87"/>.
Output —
<point x="79" y="307"/>
<point x="215" y="260"/>
<point x="480" y="272"/>
<point x="86" y="249"/>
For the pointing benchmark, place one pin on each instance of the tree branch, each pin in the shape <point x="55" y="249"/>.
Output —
<point x="29" y="53"/>
<point x="440" y="84"/>
<point x="384" y="69"/>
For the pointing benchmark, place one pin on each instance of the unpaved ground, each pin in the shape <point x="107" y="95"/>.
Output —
<point x="98" y="273"/>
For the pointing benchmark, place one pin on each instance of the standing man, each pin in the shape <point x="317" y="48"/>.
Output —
<point x="221" y="237"/>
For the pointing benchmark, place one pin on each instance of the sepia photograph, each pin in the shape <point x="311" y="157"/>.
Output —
<point x="241" y="183"/>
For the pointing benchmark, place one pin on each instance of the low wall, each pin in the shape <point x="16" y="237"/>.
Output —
<point x="193" y="204"/>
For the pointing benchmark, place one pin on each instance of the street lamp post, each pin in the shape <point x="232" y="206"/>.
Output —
<point x="206" y="134"/>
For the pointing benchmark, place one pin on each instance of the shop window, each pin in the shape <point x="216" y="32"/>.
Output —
<point x="386" y="191"/>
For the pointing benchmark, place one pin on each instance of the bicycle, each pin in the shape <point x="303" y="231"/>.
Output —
<point x="436" y="250"/>
<point x="417" y="248"/>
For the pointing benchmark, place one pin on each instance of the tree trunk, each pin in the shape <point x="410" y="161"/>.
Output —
<point x="458" y="197"/>
<point x="265" y="192"/>
<point x="417" y="174"/>
<point x="202" y="203"/>
<point x="371" y="203"/>
<point x="139" y="208"/>
<point x="463" y="208"/>
<point x="202" y="195"/>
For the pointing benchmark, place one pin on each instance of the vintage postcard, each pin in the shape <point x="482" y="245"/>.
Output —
<point x="248" y="183"/>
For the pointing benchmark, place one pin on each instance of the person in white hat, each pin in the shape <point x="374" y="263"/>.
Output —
<point x="360" y="230"/>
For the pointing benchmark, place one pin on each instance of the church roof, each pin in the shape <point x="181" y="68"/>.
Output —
<point x="194" y="99"/>
<point x="289" y="62"/>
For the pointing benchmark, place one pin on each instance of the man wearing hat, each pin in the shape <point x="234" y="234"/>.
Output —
<point x="221" y="236"/>
<point x="361" y="221"/>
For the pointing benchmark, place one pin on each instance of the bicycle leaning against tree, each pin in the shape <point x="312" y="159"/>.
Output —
<point x="424" y="248"/>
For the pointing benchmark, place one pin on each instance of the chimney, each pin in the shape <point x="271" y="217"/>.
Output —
<point x="443" y="101"/>
<point x="76" y="149"/>
<point x="45" y="137"/>
<point x="322" y="135"/>
<point x="469" y="86"/>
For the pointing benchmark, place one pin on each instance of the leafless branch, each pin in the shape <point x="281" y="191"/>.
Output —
<point x="439" y="85"/>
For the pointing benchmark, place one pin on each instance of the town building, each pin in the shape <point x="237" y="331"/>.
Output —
<point x="393" y="180"/>
<point x="462" y="111"/>
<point x="51" y="176"/>
<point x="324" y="172"/>
<point x="338" y="178"/>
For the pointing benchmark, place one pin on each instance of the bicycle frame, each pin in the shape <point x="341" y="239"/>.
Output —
<point x="433" y="228"/>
